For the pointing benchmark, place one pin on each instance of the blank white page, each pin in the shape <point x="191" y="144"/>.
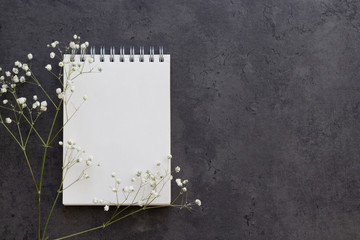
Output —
<point x="124" y="124"/>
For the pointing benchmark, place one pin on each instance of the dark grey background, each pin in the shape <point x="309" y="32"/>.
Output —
<point x="265" y="115"/>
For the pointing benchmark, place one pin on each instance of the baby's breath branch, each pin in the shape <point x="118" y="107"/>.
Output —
<point x="2" y="122"/>
<point x="32" y="127"/>
<point x="39" y="85"/>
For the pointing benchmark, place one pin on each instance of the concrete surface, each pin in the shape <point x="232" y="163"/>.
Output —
<point x="265" y="115"/>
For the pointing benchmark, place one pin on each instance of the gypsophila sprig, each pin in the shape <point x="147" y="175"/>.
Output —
<point x="20" y="119"/>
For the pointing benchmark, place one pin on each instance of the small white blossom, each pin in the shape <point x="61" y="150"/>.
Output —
<point x="86" y="44"/>
<point x="177" y="169"/>
<point x="101" y="201"/>
<point x="22" y="79"/>
<point x="13" y="85"/>
<point x="158" y="164"/>
<point x="48" y="67"/>
<point x="72" y="89"/>
<point x="83" y="46"/>
<point x="61" y="143"/>
<point x="21" y="100"/>
<point x="198" y="202"/>
<point x="15" y="79"/>
<point x="118" y="180"/>
<point x="133" y="180"/>
<point x="95" y="201"/>
<point x="106" y="208"/>
<point x="85" y="97"/>
<point x="58" y="90"/>
<point x="8" y="120"/>
<point x="114" y="190"/>
<point x="178" y="182"/>
<point x="156" y="194"/>
<point x="8" y="74"/>
<point x="3" y="90"/>
<point x="28" y="73"/>
<point x="138" y="173"/>
<point x="91" y="158"/>
<point x="2" y="78"/>
<point x="72" y="45"/>
<point x="185" y="181"/>
<point x="30" y="56"/>
<point x="126" y="189"/>
<point x="169" y="156"/>
<point x="91" y="60"/>
<point x="61" y="64"/>
<point x="141" y="203"/>
<point x="131" y="188"/>
<point x="184" y="189"/>
<point x="5" y="101"/>
<point x="35" y="97"/>
<point x="113" y="174"/>
<point x="24" y="105"/>
<point x="75" y="36"/>
<point x="77" y="46"/>
<point x="53" y="44"/>
<point x="17" y="63"/>
<point x="52" y="55"/>
<point x="43" y="106"/>
<point x="171" y="177"/>
<point x="87" y="176"/>
<point x="88" y="163"/>
<point x="99" y="69"/>
<point x="25" y="67"/>
<point x="79" y="160"/>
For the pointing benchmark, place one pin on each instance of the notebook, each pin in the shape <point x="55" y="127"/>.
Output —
<point x="123" y="124"/>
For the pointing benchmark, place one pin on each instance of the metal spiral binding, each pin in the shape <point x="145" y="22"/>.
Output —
<point x="112" y="53"/>
<point x="102" y="53"/>
<point x="132" y="53"/>
<point x="141" y="58"/>
<point x="82" y="54"/>
<point x="152" y="52"/>
<point x="121" y="52"/>
<point x="73" y="52"/>
<point x="92" y="52"/>
<point x="161" y="53"/>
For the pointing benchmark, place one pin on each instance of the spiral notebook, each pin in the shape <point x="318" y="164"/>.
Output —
<point x="124" y="126"/>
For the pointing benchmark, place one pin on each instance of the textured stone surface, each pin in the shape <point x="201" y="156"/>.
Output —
<point x="265" y="115"/>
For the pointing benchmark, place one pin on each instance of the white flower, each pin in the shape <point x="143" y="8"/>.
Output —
<point x="177" y="169"/>
<point x="48" y="67"/>
<point x="8" y="120"/>
<point x="75" y="36"/>
<point x="30" y="56"/>
<point x="79" y="160"/>
<point x="85" y="97"/>
<point x="101" y="201"/>
<point x="114" y="190"/>
<point x="169" y="156"/>
<point x="43" y="106"/>
<point x="53" y="44"/>
<point x="52" y="55"/>
<point x="22" y="79"/>
<point x="198" y="202"/>
<point x="83" y="46"/>
<point x="3" y="90"/>
<point x="133" y="180"/>
<point x="25" y="67"/>
<point x="91" y="158"/>
<point x="184" y="189"/>
<point x="72" y="89"/>
<point x="15" y="78"/>
<point x="126" y="189"/>
<point x="171" y="177"/>
<point x="185" y="181"/>
<point x="13" y="85"/>
<point x="72" y="45"/>
<point x="0" y="69"/>
<point x="99" y="69"/>
<point x="58" y="90"/>
<point x="131" y="188"/>
<point x="156" y="194"/>
<point x="118" y="180"/>
<point x="158" y="164"/>
<point x="141" y="203"/>
<point x="95" y="201"/>
<point x="21" y="100"/>
<point x="8" y="74"/>
<point x="5" y="101"/>
<point x="35" y="97"/>
<point x="61" y="143"/>
<point x="24" y="105"/>
<point x="138" y="173"/>
<point x="88" y="163"/>
<point x="113" y="174"/>
<point x="61" y="64"/>
<point x="28" y="73"/>
<point x="17" y="63"/>
<point x="178" y="182"/>
<point x="87" y="176"/>
<point x="91" y="60"/>
<point x="86" y="44"/>
<point x="106" y="208"/>
<point x="2" y="78"/>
